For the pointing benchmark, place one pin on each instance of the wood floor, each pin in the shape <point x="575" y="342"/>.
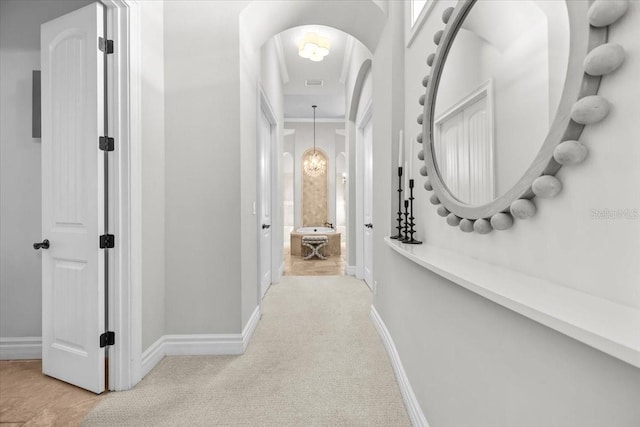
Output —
<point x="30" y="398"/>
<point x="296" y="266"/>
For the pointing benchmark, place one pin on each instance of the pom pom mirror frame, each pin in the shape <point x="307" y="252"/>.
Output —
<point x="579" y="106"/>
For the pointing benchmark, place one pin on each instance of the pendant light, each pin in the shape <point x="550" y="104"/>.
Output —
<point x="314" y="165"/>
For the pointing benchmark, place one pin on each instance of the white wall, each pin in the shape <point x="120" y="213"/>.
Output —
<point x="203" y="167"/>
<point x="153" y="172"/>
<point x="20" y="179"/>
<point x="472" y="362"/>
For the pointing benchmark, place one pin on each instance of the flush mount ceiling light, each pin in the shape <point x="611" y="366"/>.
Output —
<point x="313" y="47"/>
<point x="314" y="165"/>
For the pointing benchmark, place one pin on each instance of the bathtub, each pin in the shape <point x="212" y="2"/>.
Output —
<point x="315" y="230"/>
<point x="332" y="248"/>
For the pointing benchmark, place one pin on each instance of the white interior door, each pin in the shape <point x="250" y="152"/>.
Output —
<point x="73" y="273"/>
<point x="464" y="148"/>
<point x="266" y="217"/>
<point x="367" y="169"/>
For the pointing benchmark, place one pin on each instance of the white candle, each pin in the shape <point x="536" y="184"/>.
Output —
<point x="406" y="181"/>
<point x="410" y="172"/>
<point x="400" y="150"/>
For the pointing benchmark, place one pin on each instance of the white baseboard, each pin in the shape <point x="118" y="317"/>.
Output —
<point x="250" y="327"/>
<point x="152" y="356"/>
<point x="20" y="348"/>
<point x="199" y="344"/>
<point x="410" y="401"/>
<point x="351" y="270"/>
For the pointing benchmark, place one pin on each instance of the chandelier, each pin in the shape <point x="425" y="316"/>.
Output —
<point x="314" y="165"/>
<point x="313" y="47"/>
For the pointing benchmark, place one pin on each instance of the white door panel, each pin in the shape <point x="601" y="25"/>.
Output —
<point x="266" y="219"/>
<point x="72" y="198"/>
<point x="367" y="139"/>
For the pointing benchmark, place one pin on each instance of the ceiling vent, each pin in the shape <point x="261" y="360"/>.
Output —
<point x="314" y="82"/>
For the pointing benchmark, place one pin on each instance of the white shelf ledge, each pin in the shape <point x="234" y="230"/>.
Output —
<point x="609" y="327"/>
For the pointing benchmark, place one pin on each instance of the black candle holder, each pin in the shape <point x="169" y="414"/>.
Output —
<point x="399" y="227"/>
<point x="411" y="224"/>
<point x="405" y="238"/>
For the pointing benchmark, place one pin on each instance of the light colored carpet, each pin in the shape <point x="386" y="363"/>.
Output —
<point x="315" y="360"/>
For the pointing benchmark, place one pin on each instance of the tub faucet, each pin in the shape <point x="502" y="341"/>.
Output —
<point x="328" y="224"/>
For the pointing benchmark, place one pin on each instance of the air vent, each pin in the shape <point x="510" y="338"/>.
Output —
<point x="314" y="82"/>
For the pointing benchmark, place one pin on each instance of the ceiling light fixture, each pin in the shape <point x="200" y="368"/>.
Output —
<point x="314" y="165"/>
<point x="313" y="47"/>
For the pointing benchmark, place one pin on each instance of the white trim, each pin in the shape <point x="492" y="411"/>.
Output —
<point x="200" y="344"/>
<point x="351" y="270"/>
<point x="288" y="132"/>
<point x="410" y="400"/>
<point x="610" y="327"/>
<point x="125" y="310"/>
<point x="203" y="344"/>
<point x="281" y="270"/>
<point x="341" y="132"/>
<point x="346" y="60"/>
<point x="412" y="31"/>
<point x="362" y="118"/>
<point x="250" y="328"/>
<point x="20" y="348"/>
<point x="152" y="356"/>
<point x="284" y="72"/>
<point x="319" y="120"/>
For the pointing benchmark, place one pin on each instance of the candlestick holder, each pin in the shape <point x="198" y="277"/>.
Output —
<point x="399" y="227"/>
<point x="411" y="224"/>
<point x="405" y="238"/>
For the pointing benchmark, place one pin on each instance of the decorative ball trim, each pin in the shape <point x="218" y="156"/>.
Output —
<point x="437" y="37"/>
<point x="546" y="186"/>
<point x="522" y="209"/>
<point x="466" y="225"/>
<point x="430" y="59"/>
<point x="482" y="226"/>
<point x="605" y="12"/>
<point x="502" y="221"/>
<point x="427" y="185"/>
<point x="604" y="59"/>
<point x="442" y="211"/>
<point x="601" y="60"/>
<point x="590" y="109"/>
<point x="446" y="15"/>
<point x="570" y="153"/>
<point x="420" y="119"/>
<point x="453" y="220"/>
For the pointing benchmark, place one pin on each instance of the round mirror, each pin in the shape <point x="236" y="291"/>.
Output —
<point x="510" y="83"/>
<point x="498" y="94"/>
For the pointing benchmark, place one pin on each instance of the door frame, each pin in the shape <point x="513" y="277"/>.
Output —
<point x="264" y="106"/>
<point x="363" y="118"/>
<point x="125" y="290"/>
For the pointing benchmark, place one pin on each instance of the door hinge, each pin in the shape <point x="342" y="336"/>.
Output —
<point x="105" y="143"/>
<point x="108" y="338"/>
<point x="105" y="46"/>
<point x="107" y="241"/>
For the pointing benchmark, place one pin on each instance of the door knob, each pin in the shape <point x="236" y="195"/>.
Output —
<point x="265" y="226"/>
<point x="43" y="245"/>
<point x="369" y="225"/>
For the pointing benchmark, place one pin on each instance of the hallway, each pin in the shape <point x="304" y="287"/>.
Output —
<point x="315" y="359"/>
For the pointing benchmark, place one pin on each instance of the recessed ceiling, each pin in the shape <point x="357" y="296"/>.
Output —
<point x="298" y="95"/>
